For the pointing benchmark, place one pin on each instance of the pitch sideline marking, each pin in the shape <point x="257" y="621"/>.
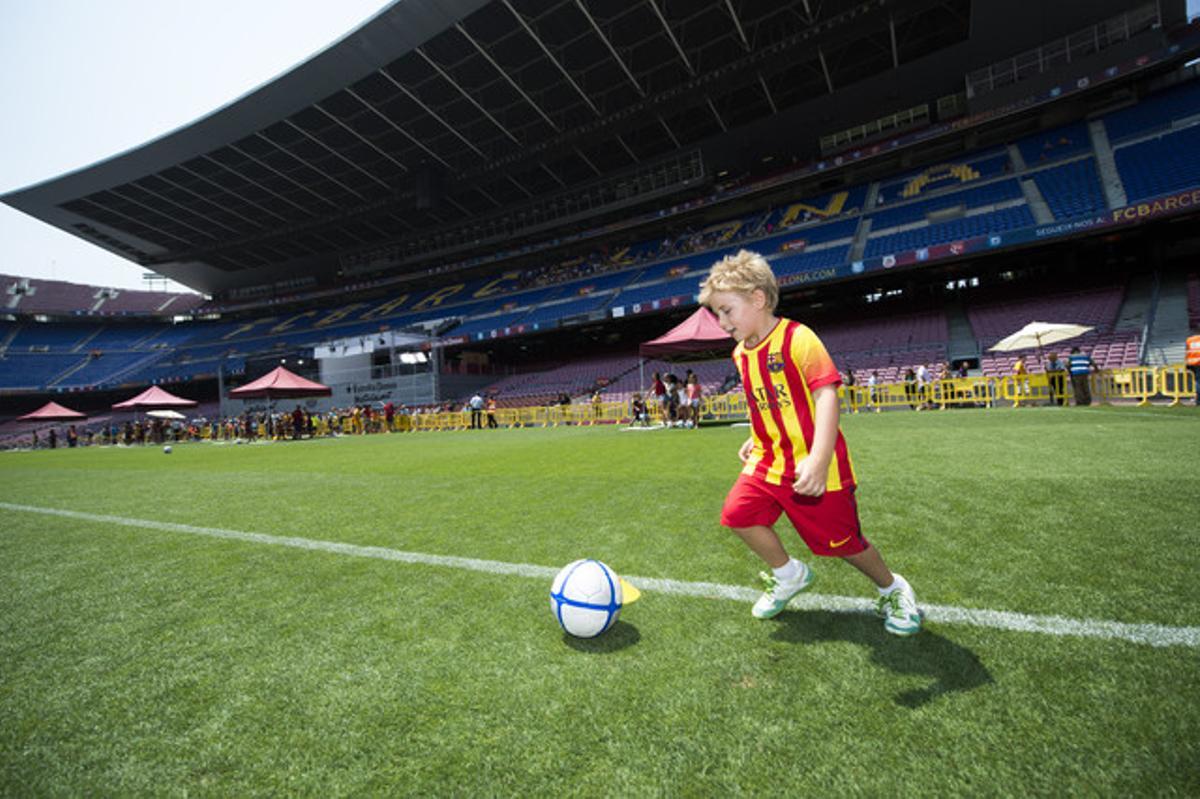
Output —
<point x="1149" y="634"/>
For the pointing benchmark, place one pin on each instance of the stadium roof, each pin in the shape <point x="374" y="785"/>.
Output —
<point x="438" y="111"/>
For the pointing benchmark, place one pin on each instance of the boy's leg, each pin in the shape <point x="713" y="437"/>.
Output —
<point x="897" y="601"/>
<point x="787" y="578"/>
<point x="815" y="518"/>
<point x="765" y="543"/>
<point x="870" y="563"/>
<point x="750" y="512"/>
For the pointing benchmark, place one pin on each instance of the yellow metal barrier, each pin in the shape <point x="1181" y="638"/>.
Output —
<point x="1026" y="389"/>
<point x="1137" y="383"/>
<point x="1176" y="383"/>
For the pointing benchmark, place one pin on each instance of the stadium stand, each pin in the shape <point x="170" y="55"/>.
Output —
<point x="1156" y="151"/>
<point x="965" y="227"/>
<point x="887" y="346"/>
<point x="46" y="337"/>
<point x="978" y="197"/>
<point x="1055" y="145"/>
<point x="27" y="372"/>
<point x="1155" y="112"/>
<point x="943" y="176"/>
<point x="34" y="295"/>
<point x="1160" y="165"/>
<point x="1097" y="308"/>
<point x="1072" y="189"/>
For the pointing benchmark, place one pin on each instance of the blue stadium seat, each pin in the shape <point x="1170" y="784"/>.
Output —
<point x="788" y="265"/>
<point x="1072" y="189"/>
<point x="1055" y="145"/>
<point x="943" y="176"/>
<point x="34" y="371"/>
<point x="966" y="227"/>
<point x="1161" y="165"/>
<point x="1156" y="111"/>
<point x="553" y="313"/>
<point x="988" y="194"/>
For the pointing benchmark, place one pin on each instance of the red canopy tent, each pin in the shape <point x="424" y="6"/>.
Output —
<point x="698" y="333"/>
<point x="52" y="412"/>
<point x="279" y="383"/>
<point x="154" y="397"/>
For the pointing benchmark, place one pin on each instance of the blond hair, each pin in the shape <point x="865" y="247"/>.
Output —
<point x="742" y="272"/>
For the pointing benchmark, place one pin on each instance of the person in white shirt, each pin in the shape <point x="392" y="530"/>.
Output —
<point x="922" y="381"/>
<point x="476" y="406"/>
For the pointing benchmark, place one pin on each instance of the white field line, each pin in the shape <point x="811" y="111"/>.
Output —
<point x="1149" y="634"/>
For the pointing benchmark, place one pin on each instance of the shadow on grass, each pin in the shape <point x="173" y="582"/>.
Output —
<point x="622" y="635"/>
<point x="952" y="667"/>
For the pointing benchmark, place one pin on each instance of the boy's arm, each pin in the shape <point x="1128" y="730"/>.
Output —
<point x="812" y="472"/>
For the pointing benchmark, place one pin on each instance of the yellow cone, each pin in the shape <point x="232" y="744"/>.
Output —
<point x="629" y="593"/>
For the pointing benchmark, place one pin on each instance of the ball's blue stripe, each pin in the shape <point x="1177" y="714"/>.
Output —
<point x="610" y="609"/>
<point x="561" y="598"/>
<point x="612" y="595"/>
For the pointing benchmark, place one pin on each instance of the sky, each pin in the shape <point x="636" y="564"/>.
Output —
<point x="75" y="75"/>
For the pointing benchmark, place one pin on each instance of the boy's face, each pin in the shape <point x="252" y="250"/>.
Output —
<point x="742" y="316"/>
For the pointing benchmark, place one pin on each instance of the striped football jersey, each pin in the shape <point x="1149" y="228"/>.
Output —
<point x="779" y="375"/>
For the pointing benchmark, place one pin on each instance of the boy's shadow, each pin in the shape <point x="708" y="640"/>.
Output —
<point x="951" y="667"/>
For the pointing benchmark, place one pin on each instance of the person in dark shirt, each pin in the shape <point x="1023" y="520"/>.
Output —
<point x="1057" y="375"/>
<point x="637" y="409"/>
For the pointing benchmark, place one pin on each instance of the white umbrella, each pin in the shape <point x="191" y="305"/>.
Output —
<point x="166" y="414"/>
<point x="1038" y="334"/>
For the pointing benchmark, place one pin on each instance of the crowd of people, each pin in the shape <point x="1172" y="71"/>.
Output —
<point x="677" y="401"/>
<point x="295" y="424"/>
<point x="677" y="243"/>
<point x="923" y="388"/>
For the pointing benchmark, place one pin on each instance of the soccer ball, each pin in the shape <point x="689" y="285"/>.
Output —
<point x="167" y="449"/>
<point x="586" y="598"/>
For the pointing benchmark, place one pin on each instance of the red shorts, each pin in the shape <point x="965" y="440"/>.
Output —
<point x="828" y="523"/>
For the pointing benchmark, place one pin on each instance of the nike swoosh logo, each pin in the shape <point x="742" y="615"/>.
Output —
<point x="836" y="544"/>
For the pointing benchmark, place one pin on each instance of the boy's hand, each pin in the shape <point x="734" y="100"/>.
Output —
<point x="746" y="449"/>
<point x="811" y="476"/>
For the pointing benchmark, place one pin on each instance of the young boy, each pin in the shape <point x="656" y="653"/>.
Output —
<point x="638" y="411"/>
<point x="796" y="461"/>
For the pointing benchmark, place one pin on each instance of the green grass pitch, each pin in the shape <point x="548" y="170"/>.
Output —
<point x="142" y="661"/>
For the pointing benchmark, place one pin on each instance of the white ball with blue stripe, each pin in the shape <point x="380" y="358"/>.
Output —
<point x="586" y="598"/>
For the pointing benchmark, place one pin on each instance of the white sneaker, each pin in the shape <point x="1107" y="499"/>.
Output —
<point x="777" y="593"/>
<point x="899" y="610"/>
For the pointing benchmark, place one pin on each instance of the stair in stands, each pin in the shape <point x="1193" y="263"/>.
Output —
<point x="1135" y="308"/>
<point x="150" y="359"/>
<point x="962" y="342"/>
<point x="1110" y="178"/>
<point x="9" y="338"/>
<point x="1169" y="331"/>
<point x="86" y="339"/>
<point x="72" y="370"/>
<point x="1018" y="160"/>
<point x="1037" y="203"/>
<point x="859" y="243"/>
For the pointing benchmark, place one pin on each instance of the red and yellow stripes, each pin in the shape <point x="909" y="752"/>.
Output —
<point x="778" y="376"/>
